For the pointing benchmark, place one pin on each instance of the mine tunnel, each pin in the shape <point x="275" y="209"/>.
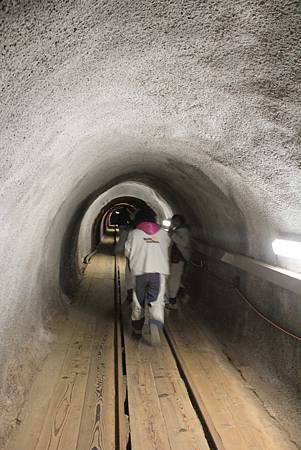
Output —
<point x="188" y="108"/>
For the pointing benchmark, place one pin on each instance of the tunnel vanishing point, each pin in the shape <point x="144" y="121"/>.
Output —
<point x="189" y="106"/>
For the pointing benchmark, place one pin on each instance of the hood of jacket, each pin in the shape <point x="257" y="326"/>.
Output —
<point x="149" y="227"/>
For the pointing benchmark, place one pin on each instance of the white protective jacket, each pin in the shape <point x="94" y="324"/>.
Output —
<point x="147" y="250"/>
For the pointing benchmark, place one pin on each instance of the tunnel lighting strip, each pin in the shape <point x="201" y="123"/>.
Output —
<point x="290" y="249"/>
<point x="281" y="277"/>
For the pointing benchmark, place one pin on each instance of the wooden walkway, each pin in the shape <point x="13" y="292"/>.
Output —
<point x="234" y="414"/>
<point x="72" y="401"/>
<point x="161" y="414"/>
<point x="101" y="389"/>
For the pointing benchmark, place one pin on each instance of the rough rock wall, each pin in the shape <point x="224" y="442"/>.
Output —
<point x="198" y="99"/>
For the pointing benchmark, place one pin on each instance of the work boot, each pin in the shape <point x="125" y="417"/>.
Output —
<point x="137" y="335"/>
<point x="137" y="326"/>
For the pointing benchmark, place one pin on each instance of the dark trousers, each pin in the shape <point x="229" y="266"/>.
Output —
<point x="148" y="290"/>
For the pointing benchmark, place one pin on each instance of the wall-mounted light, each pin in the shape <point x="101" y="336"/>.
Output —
<point x="290" y="249"/>
<point x="166" y="223"/>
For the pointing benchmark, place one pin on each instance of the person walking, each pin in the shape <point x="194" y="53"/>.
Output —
<point x="125" y="226"/>
<point x="179" y="254"/>
<point x="147" y="250"/>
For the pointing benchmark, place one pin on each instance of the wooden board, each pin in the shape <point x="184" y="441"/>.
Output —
<point x="147" y="425"/>
<point x="235" y="416"/>
<point x="182" y="424"/>
<point x="61" y="426"/>
<point x="97" y="429"/>
<point x="33" y="416"/>
<point x="175" y="424"/>
<point x="72" y="401"/>
<point x="123" y="430"/>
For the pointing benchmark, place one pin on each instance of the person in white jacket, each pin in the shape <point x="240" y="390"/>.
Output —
<point x="180" y="253"/>
<point x="147" y="250"/>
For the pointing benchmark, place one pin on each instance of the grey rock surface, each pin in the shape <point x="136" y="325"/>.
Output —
<point x="199" y="100"/>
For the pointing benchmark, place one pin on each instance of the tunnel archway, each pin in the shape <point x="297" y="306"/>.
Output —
<point x="229" y="230"/>
<point x="197" y="103"/>
<point x="99" y="224"/>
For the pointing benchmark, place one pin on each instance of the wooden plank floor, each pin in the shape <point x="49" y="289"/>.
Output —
<point x="161" y="414"/>
<point x="160" y="411"/>
<point x="238" y="418"/>
<point x="71" y="404"/>
<point x="72" y="401"/>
